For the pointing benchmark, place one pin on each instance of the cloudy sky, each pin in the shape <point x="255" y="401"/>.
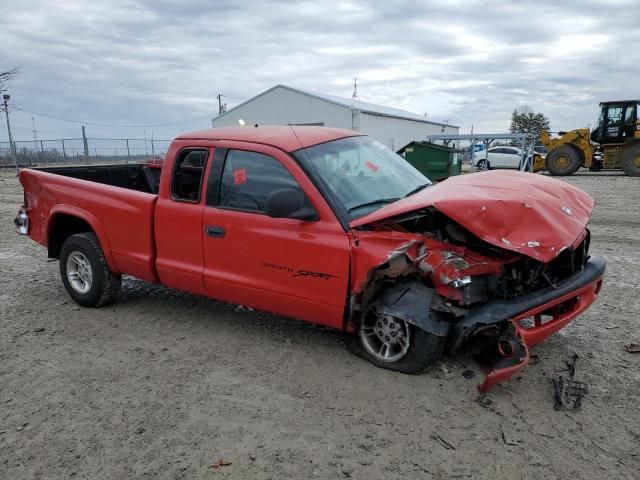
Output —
<point x="136" y="64"/>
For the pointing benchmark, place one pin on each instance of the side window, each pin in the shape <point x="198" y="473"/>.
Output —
<point x="249" y="177"/>
<point x="186" y="183"/>
<point x="629" y="117"/>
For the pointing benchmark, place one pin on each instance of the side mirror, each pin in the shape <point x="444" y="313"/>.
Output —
<point x="288" y="203"/>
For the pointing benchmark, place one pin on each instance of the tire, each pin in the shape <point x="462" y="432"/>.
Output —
<point x="483" y="165"/>
<point x="85" y="274"/>
<point x="630" y="162"/>
<point x="563" y="161"/>
<point x="423" y="349"/>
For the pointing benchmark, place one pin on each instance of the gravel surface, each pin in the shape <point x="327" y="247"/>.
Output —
<point x="164" y="384"/>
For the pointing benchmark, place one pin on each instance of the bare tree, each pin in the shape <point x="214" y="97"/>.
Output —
<point x="7" y="75"/>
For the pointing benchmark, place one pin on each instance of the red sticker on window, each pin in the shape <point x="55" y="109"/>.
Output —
<point x="372" y="166"/>
<point x="240" y="176"/>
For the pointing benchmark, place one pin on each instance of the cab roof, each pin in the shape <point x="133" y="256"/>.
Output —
<point x="285" y="137"/>
<point x="615" y="102"/>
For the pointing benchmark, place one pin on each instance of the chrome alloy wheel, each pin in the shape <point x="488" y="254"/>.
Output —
<point x="79" y="272"/>
<point x="386" y="338"/>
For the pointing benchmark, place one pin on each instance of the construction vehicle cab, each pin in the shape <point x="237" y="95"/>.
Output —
<point x="613" y="144"/>
<point x="618" y="121"/>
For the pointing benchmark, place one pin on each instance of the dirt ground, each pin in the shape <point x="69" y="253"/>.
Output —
<point x="164" y="384"/>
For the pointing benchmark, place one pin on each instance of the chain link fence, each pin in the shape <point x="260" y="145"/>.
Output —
<point x="81" y="151"/>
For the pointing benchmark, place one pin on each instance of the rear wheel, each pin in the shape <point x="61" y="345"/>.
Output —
<point x="85" y="273"/>
<point x="395" y="344"/>
<point x="630" y="162"/>
<point x="562" y="161"/>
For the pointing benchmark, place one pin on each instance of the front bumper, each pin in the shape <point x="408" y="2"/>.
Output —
<point x="548" y="310"/>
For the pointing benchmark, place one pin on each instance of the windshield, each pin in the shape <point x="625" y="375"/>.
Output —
<point x="362" y="174"/>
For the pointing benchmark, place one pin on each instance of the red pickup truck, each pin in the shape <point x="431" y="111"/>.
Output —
<point x="331" y="227"/>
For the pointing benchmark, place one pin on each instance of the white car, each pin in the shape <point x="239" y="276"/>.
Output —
<point x="498" y="157"/>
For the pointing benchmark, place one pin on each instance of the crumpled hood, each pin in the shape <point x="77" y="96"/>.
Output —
<point x="531" y="214"/>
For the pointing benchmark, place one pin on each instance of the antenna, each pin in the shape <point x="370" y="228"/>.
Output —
<point x="355" y="88"/>
<point x="303" y="150"/>
<point x="296" y="135"/>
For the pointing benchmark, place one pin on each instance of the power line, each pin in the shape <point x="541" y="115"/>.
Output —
<point x="98" y="124"/>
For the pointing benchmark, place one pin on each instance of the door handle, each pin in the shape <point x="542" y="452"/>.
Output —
<point x="215" y="232"/>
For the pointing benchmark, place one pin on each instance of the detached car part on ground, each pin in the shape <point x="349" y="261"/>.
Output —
<point x="330" y="227"/>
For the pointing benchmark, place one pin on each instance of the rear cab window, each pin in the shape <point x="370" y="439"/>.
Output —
<point x="186" y="181"/>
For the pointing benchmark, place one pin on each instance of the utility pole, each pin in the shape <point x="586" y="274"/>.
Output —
<point x="35" y="141"/>
<point x="355" y="89"/>
<point x="222" y="107"/>
<point x="12" y="146"/>
<point x="35" y="133"/>
<point x="85" y="143"/>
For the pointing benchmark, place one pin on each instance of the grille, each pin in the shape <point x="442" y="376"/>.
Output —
<point x="528" y="275"/>
<point x="569" y="262"/>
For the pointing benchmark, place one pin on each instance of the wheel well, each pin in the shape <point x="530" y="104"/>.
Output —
<point x="630" y="143"/>
<point x="63" y="226"/>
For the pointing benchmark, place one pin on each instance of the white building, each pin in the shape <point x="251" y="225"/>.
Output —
<point x="283" y="105"/>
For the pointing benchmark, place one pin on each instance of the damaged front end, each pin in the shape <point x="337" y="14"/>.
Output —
<point x="491" y="301"/>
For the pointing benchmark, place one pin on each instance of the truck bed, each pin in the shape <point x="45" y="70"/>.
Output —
<point x="140" y="177"/>
<point x="116" y="201"/>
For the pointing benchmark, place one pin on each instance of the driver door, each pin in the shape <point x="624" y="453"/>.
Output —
<point x="613" y="128"/>
<point x="292" y="267"/>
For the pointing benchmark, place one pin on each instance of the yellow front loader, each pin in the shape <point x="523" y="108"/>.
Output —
<point x="613" y="144"/>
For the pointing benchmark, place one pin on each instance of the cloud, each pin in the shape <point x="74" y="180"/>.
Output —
<point x="472" y="62"/>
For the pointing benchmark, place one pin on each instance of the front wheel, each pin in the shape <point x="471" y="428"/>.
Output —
<point x="484" y="165"/>
<point x="395" y="344"/>
<point x="563" y="160"/>
<point x="85" y="273"/>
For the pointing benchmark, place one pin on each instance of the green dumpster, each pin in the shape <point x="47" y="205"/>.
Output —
<point x="436" y="162"/>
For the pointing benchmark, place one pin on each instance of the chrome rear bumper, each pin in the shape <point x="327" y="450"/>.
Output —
<point x="22" y="222"/>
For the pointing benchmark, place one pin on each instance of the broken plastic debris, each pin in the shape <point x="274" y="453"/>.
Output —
<point x="633" y="347"/>
<point x="483" y="400"/>
<point x="221" y="463"/>
<point x="567" y="391"/>
<point x="242" y="308"/>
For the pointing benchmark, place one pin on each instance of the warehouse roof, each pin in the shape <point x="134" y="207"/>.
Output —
<point x="366" y="107"/>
